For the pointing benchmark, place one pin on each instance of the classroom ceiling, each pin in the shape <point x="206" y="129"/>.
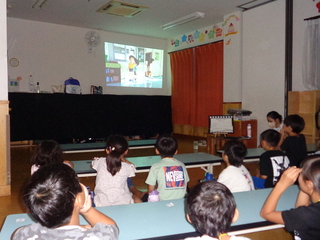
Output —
<point x="83" y="13"/>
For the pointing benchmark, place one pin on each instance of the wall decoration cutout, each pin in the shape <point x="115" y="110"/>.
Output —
<point x="200" y="35"/>
<point x="184" y="38"/>
<point x="231" y="30"/>
<point x="219" y="32"/>
<point x="230" y="17"/>
<point x="196" y="34"/>
<point x="318" y="6"/>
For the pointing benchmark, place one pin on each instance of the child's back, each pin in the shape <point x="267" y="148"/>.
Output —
<point x="295" y="148"/>
<point x="237" y="179"/>
<point x="169" y="174"/>
<point x="112" y="174"/>
<point x="112" y="190"/>
<point x="171" y="177"/>
<point x="272" y="162"/>
<point x="302" y="221"/>
<point x="236" y="176"/>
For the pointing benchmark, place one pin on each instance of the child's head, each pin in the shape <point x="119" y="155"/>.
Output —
<point x="132" y="59"/>
<point x="235" y="151"/>
<point x="211" y="208"/>
<point x="117" y="147"/>
<point x="270" y="137"/>
<point x="311" y="171"/>
<point x="295" y="122"/>
<point x="50" y="194"/>
<point x="166" y="146"/>
<point x="46" y="152"/>
<point x="274" y="119"/>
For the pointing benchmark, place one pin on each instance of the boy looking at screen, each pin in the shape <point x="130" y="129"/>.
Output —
<point x="55" y="199"/>
<point x="169" y="175"/>
<point x="211" y="209"/>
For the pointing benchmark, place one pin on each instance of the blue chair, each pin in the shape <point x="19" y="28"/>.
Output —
<point x="258" y="182"/>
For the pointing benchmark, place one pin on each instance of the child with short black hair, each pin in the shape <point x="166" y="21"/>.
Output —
<point x="292" y="142"/>
<point x="211" y="209"/>
<point x="302" y="221"/>
<point x="170" y="175"/>
<point x="55" y="198"/>
<point x="272" y="162"/>
<point x="46" y="152"/>
<point x="236" y="176"/>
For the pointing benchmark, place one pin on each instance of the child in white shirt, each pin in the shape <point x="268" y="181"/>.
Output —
<point x="236" y="176"/>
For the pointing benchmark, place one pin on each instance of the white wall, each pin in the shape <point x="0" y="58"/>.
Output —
<point x="263" y="61"/>
<point x="3" y="52"/>
<point x="232" y="56"/>
<point x="301" y="9"/>
<point x="53" y="53"/>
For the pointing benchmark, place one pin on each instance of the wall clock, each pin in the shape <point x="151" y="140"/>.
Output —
<point x="14" y="62"/>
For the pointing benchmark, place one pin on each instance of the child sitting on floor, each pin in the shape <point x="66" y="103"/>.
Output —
<point x="55" y="199"/>
<point x="211" y="209"/>
<point x="46" y="152"/>
<point x="169" y="174"/>
<point x="236" y="176"/>
<point x="272" y="162"/>
<point x="302" y="221"/>
<point x="292" y="141"/>
<point x="113" y="173"/>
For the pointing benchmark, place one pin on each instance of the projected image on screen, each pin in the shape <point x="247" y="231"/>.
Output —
<point x="132" y="66"/>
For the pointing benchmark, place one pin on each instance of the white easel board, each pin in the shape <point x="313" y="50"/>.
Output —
<point x="221" y="124"/>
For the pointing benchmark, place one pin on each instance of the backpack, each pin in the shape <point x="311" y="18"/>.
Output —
<point x="72" y="86"/>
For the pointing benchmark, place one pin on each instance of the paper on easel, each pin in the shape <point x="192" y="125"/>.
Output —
<point x="220" y="124"/>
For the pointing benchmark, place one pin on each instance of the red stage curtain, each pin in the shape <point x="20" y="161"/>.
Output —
<point x="197" y="84"/>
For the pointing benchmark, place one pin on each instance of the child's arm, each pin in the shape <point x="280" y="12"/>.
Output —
<point x="151" y="188"/>
<point x="126" y="161"/>
<point x="92" y="215"/>
<point x="263" y="176"/>
<point x="303" y="199"/>
<point x="283" y="136"/>
<point x="268" y="210"/>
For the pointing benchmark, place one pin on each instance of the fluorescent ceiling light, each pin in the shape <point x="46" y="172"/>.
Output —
<point x="253" y="4"/>
<point x="39" y="4"/>
<point x="185" y="19"/>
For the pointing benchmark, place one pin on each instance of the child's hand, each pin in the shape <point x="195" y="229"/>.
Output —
<point x="87" y="200"/>
<point x="289" y="176"/>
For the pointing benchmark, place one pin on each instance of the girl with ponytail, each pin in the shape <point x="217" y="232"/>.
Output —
<point x="112" y="174"/>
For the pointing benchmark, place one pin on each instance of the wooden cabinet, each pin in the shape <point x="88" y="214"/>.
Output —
<point x="306" y="104"/>
<point x="240" y="130"/>
<point x="215" y="142"/>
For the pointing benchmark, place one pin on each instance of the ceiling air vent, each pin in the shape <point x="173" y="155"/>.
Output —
<point x="121" y="9"/>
